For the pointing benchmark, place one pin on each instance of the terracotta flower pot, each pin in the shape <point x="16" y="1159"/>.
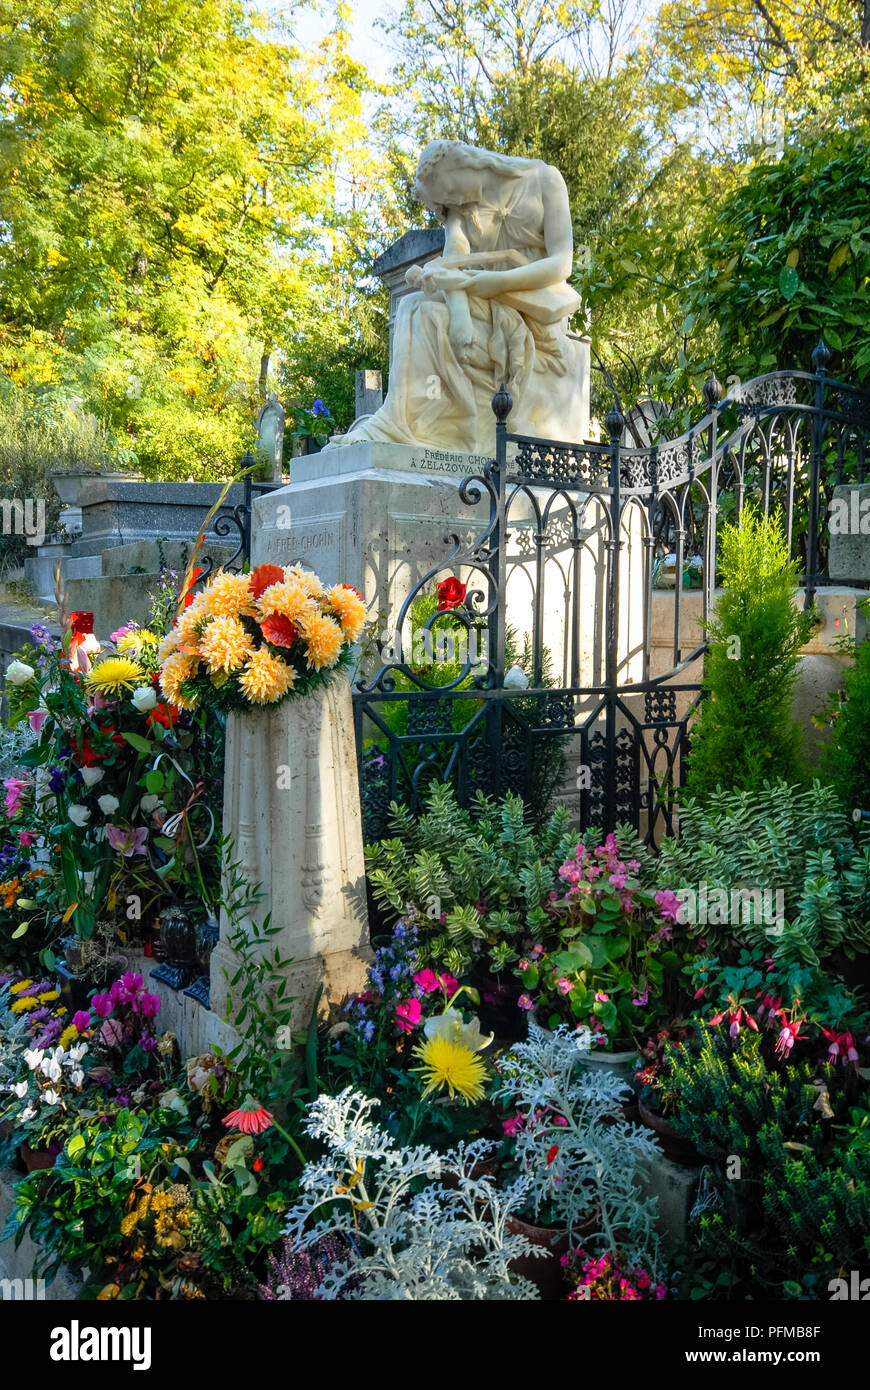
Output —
<point x="34" y="1159"/>
<point x="674" y="1146"/>
<point x="546" y="1273"/>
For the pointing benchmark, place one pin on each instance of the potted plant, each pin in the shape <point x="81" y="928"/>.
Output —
<point x="569" y="1135"/>
<point x="658" y="1099"/>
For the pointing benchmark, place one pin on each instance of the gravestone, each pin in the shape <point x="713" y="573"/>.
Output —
<point x="849" y="524"/>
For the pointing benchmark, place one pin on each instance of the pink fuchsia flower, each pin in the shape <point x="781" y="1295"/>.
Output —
<point x="563" y="985"/>
<point x="408" y="1014"/>
<point x="102" y="1005"/>
<point x="15" y="789"/>
<point x="788" y="1037"/>
<point x="82" y="1021"/>
<point x="525" y="1002"/>
<point x="127" y="842"/>
<point x="842" y="1046"/>
<point x="250" y="1118"/>
<point x="699" y="993"/>
<point x="427" y="980"/>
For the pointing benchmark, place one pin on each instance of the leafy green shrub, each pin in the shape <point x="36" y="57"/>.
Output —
<point x="792" y="1201"/>
<point x="777" y="837"/>
<point x="478" y="877"/>
<point x="745" y="733"/>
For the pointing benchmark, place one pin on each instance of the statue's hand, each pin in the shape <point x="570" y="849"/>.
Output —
<point x="486" y="284"/>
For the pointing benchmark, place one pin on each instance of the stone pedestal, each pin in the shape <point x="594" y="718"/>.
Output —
<point x="292" y="808"/>
<point x="849" y="522"/>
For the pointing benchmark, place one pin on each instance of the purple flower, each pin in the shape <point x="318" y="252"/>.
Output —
<point x="102" y="1005"/>
<point x="57" y="780"/>
<point x="150" y="1004"/>
<point x="147" y="1044"/>
<point x="524" y="1002"/>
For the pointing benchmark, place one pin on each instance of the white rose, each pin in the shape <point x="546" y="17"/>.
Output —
<point x="150" y="802"/>
<point x="92" y="775"/>
<point x="19" y="673"/>
<point x="79" y="815"/>
<point x="108" y="804"/>
<point x="145" y="698"/>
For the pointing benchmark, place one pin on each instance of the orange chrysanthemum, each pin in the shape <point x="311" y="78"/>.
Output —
<point x="349" y="608"/>
<point x="307" y="578"/>
<point x="175" y="670"/>
<point x="288" y="598"/>
<point x="266" y="678"/>
<point x="228" y="595"/>
<point x="187" y="626"/>
<point x="324" y="639"/>
<point x="225" y="645"/>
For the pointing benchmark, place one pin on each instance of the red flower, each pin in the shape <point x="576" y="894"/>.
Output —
<point x="451" y="592"/>
<point x="86" y="755"/>
<point x="278" y="630"/>
<point x="82" y="624"/>
<point x="251" y="1117"/>
<point x="263" y="576"/>
<point x="552" y="1154"/>
<point x="188" y="599"/>
<point x="257" y="1165"/>
<point x="353" y="590"/>
<point x="164" y="714"/>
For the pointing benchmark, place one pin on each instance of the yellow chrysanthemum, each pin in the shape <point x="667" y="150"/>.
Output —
<point x="349" y="608"/>
<point x="225" y="645"/>
<point x="228" y="595"/>
<point x="115" y="674"/>
<point x="175" y="670"/>
<point x="452" y="1065"/>
<point x="266" y="678"/>
<point x="324" y="640"/>
<point x="20" y="987"/>
<point x="306" y="578"/>
<point x="289" y="598"/>
<point x="137" y="639"/>
<point x="21" y="1005"/>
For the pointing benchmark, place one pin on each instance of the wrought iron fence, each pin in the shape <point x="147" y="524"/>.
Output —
<point x="589" y="551"/>
<point x="235" y="522"/>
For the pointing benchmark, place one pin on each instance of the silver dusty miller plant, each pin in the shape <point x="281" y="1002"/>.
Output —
<point x="447" y="1240"/>
<point x="574" y="1142"/>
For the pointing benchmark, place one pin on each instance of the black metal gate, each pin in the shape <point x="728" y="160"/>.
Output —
<point x="609" y="543"/>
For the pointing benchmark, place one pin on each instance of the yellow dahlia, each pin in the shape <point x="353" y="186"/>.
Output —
<point x="266" y="678"/>
<point x="228" y="595"/>
<point x="225" y="644"/>
<point x="349" y="608"/>
<point x="175" y="670"/>
<point x="287" y="598"/>
<point x="324" y="640"/>
<point x="309" y="581"/>
<point x="115" y="674"/>
<point x="452" y="1065"/>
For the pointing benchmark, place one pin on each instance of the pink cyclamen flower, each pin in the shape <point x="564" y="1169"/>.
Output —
<point x="102" y="1005"/>
<point x="150" y="1005"/>
<point x="111" y="1032"/>
<point x="408" y="1014"/>
<point x="127" y="842"/>
<point x="82" y="1021"/>
<point x="525" y="1002"/>
<point x="565" y="986"/>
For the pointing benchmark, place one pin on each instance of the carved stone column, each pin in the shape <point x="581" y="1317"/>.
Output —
<point x="291" y="805"/>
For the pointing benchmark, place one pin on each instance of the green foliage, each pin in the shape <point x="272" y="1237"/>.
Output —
<point x="483" y="869"/>
<point x="745" y="733"/>
<point x="778" y="837"/>
<point x="848" y="755"/>
<point x="793" y="1200"/>
<point x="789" y="260"/>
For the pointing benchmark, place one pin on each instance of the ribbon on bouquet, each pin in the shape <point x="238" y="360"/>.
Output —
<point x="174" y="826"/>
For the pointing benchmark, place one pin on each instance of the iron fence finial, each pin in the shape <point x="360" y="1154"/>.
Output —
<point x="614" y="420"/>
<point x="502" y="403"/>
<point x="712" y="390"/>
<point x="821" y="355"/>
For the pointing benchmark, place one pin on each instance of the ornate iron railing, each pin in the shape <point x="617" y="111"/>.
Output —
<point x="609" y="697"/>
